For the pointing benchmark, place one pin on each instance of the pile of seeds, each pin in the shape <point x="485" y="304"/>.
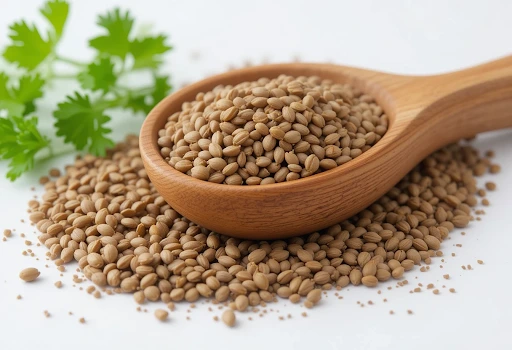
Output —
<point x="106" y="215"/>
<point x="270" y="131"/>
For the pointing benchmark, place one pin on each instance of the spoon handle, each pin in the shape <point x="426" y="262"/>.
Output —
<point x="459" y="104"/>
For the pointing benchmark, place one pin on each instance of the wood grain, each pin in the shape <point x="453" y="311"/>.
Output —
<point x="425" y="114"/>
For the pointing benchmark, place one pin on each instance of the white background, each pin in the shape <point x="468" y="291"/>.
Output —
<point x="404" y="37"/>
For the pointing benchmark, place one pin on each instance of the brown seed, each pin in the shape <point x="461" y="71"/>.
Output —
<point x="314" y="296"/>
<point x="99" y="279"/>
<point x="29" y="274"/>
<point x="261" y="281"/>
<point x="397" y="272"/>
<point x="460" y="220"/>
<point x="294" y="298"/>
<point x="257" y="256"/>
<point x="369" y="281"/>
<point x="161" y="314"/>
<point x="491" y="186"/>
<point x="229" y="318"/>
<point x="309" y="304"/>
<point x="242" y="302"/>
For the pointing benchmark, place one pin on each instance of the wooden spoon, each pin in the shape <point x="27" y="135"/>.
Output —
<point x="425" y="113"/>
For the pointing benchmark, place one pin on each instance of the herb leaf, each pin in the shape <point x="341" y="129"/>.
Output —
<point x="116" y="42"/>
<point x="144" y="102"/>
<point x="20" y="100"/>
<point x="28" y="48"/>
<point x="56" y="12"/>
<point x="147" y="51"/>
<point x="99" y="76"/>
<point x="19" y="142"/>
<point x="83" y="125"/>
<point x="82" y="118"/>
<point x="161" y="88"/>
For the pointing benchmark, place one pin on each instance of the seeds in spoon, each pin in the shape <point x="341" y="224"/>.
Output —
<point x="271" y="130"/>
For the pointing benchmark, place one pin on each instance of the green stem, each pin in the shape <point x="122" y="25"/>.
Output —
<point x="52" y="153"/>
<point x="70" y="61"/>
<point x="64" y="76"/>
<point x="102" y="104"/>
<point x="139" y="91"/>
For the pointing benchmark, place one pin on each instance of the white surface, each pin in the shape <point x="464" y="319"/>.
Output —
<point x="403" y="37"/>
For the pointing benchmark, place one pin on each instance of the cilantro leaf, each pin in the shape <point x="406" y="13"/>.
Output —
<point x="28" y="49"/>
<point x="30" y="88"/>
<point x="56" y="12"/>
<point x="20" y="100"/>
<point x="83" y="125"/>
<point x="162" y="88"/>
<point x="116" y="42"/>
<point x="146" y="51"/>
<point x="137" y="103"/>
<point x="144" y="102"/>
<point x="98" y="76"/>
<point x="20" y="141"/>
<point x="6" y="99"/>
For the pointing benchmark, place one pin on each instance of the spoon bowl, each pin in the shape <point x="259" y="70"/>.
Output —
<point x="425" y="113"/>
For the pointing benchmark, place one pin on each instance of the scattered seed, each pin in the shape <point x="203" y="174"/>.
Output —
<point x="29" y="274"/>
<point x="161" y="315"/>
<point x="58" y="284"/>
<point x="229" y="318"/>
<point x="490" y="186"/>
<point x="151" y="250"/>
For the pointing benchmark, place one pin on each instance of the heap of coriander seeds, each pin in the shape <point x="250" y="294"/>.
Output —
<point x="270" y="131"/>
<point x="105" y="214"/>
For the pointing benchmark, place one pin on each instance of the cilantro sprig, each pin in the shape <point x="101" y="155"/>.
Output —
<point x="82" y="118"/>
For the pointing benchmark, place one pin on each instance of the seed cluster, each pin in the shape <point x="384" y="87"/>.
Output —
<point x="270" y="131"/>
<point x="106" y="215"/>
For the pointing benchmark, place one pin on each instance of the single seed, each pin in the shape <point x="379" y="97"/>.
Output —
<point x="29" y="274"/>
<point x="314" y="296"/>
<point x="228" y="317"/>
<point x="161" y="314"/>
<point x="491" y="186"/>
